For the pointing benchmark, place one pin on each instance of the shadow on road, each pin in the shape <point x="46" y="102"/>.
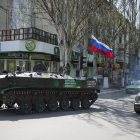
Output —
<point x="114" y="109"/>
<point x="119" y="111"/>
<point x="14" y="115"/>
<point x="115" y="95"/>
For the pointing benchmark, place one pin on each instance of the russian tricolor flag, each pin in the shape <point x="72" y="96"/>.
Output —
<point x="101" y="48"/>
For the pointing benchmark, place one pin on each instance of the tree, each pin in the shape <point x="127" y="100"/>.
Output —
<point x="133" y="34"/>
<point x="113" y="21"/>
<point x="107" y="27"/>
<point x="70" y="18"/>
<point x="129" y="10"/>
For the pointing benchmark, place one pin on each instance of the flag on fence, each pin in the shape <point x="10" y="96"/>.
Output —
<point x="101" y="48"/>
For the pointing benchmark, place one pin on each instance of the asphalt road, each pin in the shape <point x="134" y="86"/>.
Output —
<point x="111" y="118"/>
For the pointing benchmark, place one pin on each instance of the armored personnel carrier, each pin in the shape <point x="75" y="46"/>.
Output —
<point x="38" y="91"/>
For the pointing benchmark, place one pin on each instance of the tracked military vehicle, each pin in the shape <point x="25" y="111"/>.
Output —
<point x="38" y="91"/>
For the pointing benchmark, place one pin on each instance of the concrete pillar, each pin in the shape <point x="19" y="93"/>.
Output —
<point x="5" y="64"/>
<point x="32" y="64"/>
<point x="51" y="66"/>
<point x="17" y="62"/>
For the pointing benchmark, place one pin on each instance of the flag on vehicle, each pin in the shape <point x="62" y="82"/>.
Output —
<point x="101" y="48"/>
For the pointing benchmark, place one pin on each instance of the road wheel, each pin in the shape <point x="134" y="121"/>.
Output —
<point x="10" y="98"/>
<point x="93" y="98"/>
<point x="25" y="107"/>
<point x="137" y="111"/>
<point x="39" y="106"/>
<point x="64" y="104"/>
<point x="75" y="104"/>
<point x="85" y="103"/>
<point x="9" y="106"/>
<point x="52" y="104"/>
<point x="1" y="103"/>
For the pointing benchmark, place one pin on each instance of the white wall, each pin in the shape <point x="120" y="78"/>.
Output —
<point x="19" y="45"/>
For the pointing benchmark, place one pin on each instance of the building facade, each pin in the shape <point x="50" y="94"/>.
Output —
<point x="27" y="39"/>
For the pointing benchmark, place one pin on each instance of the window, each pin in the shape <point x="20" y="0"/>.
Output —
<point x="55" y="67"/>
<point x="4" y="38"/>
<point x="17" y="33"/>
<point x="12" y="32"/>
<point x="57" y="19"/>
<point x="12" y="37"/>
<point x="120" y="39"/>
<point x="8" y="37"/>
<point x="24" y="65"/>
<point x="4" y="33"/>
<point x="21" y="36"/>
<point x="48" y="66"/>
<point x="123" y="39"/>
<point x="28" y="33"/>
<point x="21" y="31"/>
<point x="11" y="65"/>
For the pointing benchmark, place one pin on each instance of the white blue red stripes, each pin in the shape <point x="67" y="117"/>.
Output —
<point x="101" y="48"/>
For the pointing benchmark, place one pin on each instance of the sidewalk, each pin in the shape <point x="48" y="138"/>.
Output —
<point x="105" y="91"/>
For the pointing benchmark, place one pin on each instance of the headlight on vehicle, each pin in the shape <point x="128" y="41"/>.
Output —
<point x="137" y="98"/>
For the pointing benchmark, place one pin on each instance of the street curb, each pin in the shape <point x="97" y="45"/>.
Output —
<point x="105" y="92"/>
